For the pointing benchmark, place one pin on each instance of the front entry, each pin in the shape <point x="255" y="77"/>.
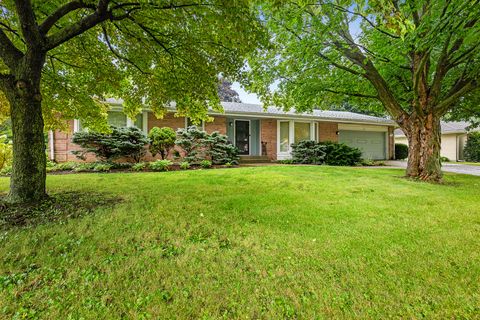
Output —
<point x="242" y="136"/>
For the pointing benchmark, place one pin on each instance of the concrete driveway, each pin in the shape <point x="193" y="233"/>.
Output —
<point x="447" y="167"/>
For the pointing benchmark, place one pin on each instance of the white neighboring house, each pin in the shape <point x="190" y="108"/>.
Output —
<point x="454" y="137"/>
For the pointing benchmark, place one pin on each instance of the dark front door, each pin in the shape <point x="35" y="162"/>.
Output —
<point x="242" y="136"/>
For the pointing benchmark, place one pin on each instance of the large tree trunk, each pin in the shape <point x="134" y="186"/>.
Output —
<point x="423" y="134"/>
<point x="27" y="183"/>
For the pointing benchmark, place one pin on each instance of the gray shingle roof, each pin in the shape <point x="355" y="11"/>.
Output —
<point x="247" y="109"/>
<point x="257" y="109"/>
<point x="447" y="127"/>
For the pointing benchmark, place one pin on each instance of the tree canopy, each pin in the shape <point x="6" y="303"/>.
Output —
<point x="328" y="51"/>
<point x="226" y="92"/>
<point x="416" y="59"/>
<point x="61" y="59"/>
<point x="148" y="53"/>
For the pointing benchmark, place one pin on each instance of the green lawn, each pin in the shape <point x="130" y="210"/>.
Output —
<point x="469" y="163"/>
<point x="260" y="242"/>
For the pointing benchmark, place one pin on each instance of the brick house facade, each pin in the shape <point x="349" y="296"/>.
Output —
<point x="261" y="133"/>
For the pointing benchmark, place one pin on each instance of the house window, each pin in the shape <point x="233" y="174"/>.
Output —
<point x="302" y="131"/>
<point x="138" y="121"/>
<point x="189" y="123"/>
<point x="284" y="136"/>
<point x="117" y="118"/>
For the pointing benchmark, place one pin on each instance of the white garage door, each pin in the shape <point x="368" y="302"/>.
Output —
<point x="372" y="144"/>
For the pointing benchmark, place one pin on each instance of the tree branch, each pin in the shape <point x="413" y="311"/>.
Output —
<point x="353" y="94"/>
<point x="118" y="55"/>
<point x="28" y="24"/>
<point x="8" y="52"/>
<point x="50" y="21"/>
<point x="461" y="88"/>
<point x="101" y="14"/>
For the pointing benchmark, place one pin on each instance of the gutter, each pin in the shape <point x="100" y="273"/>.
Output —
<point x="386" y="122"/>
<point x="302" y="117"/>
<point x="51" y="141"/>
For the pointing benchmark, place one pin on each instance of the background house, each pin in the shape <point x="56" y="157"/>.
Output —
<point x="454" y="137"/>
<point x="262" y="134"/>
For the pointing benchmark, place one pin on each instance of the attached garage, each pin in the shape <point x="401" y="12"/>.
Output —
<point x="371" y="140"/>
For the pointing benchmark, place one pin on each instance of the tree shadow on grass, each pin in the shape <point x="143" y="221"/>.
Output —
<point x="58" y="207"/>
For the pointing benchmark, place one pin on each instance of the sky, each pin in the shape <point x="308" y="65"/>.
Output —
<point x="245" y="96"/>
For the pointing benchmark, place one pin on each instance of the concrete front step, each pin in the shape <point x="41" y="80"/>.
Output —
<point x="254" y="159"/>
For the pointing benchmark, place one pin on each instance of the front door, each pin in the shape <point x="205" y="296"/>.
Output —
<point x="242" y="136"/>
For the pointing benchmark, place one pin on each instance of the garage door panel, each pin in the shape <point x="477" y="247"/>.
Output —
<point x="371" y="143"/>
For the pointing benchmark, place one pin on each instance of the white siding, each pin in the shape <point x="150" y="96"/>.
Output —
<point x="449" y="146"/>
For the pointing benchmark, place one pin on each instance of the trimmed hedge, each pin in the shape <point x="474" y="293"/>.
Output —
<point x="331" y="153"/>
<point x="401" y="151"/>
<point x="472" y="147"/>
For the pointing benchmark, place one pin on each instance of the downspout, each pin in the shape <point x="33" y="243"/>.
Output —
<point x="51" y="140"/>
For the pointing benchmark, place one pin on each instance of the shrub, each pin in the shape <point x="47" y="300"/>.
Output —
<point x="83" y="167"/>
<point x="228" y="164"/>
<point x="140" y="166"/>
<point x="192" y="141"/>
<point x="370" y="163"/>
<point x="102" y="167"/>
<point x="472" y="147"/>
<point x="444" y="159"/>
<point x="65" y="166"/>
<point x="308" y="152"/>
<point x="206" y="164"/>
<point x="126" y="142"/>
<point x="162" y="140"/>
<point x="339" y="154"/>
<point x="401" y="151"/>
<point x="286" y="161"/>
<point x="6" y="154"/>
<point x="160" y="165"/>
<point x="184" y="165"/>
<point x="220" y="150"/>
<point x="7" y="170"/>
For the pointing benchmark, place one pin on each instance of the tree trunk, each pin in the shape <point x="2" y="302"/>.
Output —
<point x="423" y="136"/>
<point x="27" y="183"/>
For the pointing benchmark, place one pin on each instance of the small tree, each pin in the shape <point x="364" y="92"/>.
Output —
<point x="192" y="141"/>
<point x="126" y="142"/>
<point x="472" y="147"/>
<point x="162" y="140"/>
<point x="220" y="150"/>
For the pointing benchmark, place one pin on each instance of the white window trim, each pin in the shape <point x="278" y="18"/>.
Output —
<point x="249" y="135"/>
<point x="76" y="125"/>
<point x="281" y="155"/>
<point x="130" y="122"/>
<point x="145" y="122"/>
<point x="186" y="124"/>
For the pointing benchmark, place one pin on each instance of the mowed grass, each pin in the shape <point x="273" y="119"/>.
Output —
<point x="262" y="242"/>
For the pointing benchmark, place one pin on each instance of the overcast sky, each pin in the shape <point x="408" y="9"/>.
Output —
<point x="245" y="96"/>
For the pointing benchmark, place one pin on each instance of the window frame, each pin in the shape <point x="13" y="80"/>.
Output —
<point x="186" y="124"/>
<point x="291" y="129"/>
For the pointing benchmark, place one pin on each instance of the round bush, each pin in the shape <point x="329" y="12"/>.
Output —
<point x="401" y="151"/>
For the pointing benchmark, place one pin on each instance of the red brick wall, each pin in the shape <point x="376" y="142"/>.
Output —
<point x="327" y="131"/>
<point x="268" y="134"/>
<point x="169" y="120"/>
<point x="64" y="145"/>
<point x="219" y="124"/>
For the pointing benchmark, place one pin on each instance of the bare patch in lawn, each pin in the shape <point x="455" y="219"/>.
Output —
<point x="56" y="208"/>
